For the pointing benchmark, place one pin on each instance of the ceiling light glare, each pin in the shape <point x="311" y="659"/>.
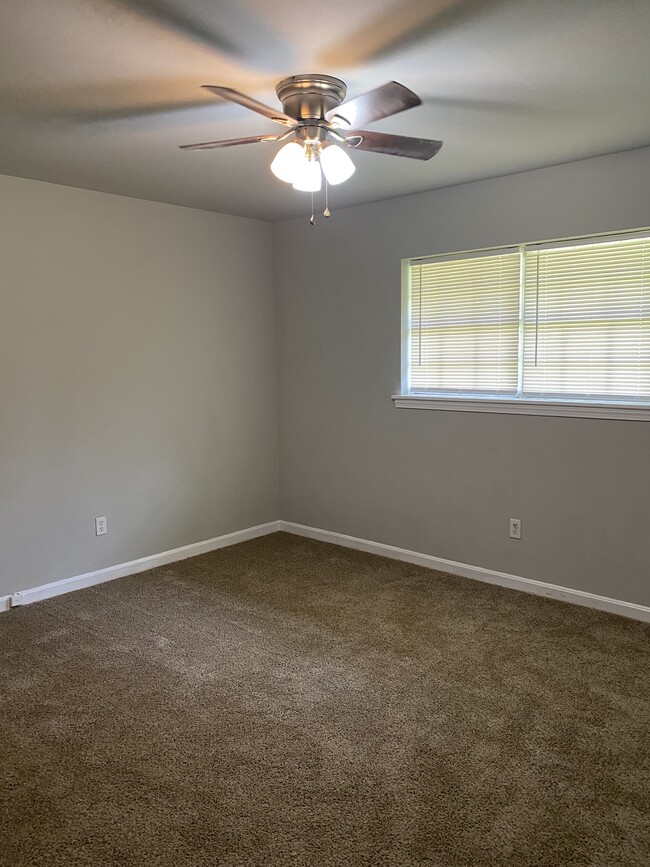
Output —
<point x="288" y="162"/>
<point x="337" y="165"/>
<point x="308" y="176"/>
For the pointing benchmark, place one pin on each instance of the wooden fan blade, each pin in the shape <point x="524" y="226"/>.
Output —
<point x="228" y="142"/>
<point x="248" y="102"/>
<point x="395" y="145"/>
<point x="381" y="102"/>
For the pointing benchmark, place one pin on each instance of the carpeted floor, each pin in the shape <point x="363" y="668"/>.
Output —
<point x="284" y="702"/>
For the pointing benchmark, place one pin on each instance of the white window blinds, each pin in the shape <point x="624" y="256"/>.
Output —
<point x="564" y="321"/>
<point x="587" y="315"/>
<point x="464" y="317"/>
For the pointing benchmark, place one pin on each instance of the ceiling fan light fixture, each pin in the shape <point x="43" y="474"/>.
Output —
<point x="308" y="176"/>
<point x="314" y="108"/>
<point x="336" y="164"/>
<point x="288" y="162"/>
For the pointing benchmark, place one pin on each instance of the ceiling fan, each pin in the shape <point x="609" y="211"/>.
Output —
<point x="319" y="122"/>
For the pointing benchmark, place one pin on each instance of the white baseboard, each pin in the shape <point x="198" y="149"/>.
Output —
<point x="503" y="579"/>
<point x="88" y="579"/>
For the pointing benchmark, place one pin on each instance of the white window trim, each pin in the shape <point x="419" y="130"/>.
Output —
<point x="516" y="405"/>
<point x="524" y="406"/>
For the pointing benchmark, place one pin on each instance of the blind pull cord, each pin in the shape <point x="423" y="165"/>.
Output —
<point x="642" y="301"/>
<point x="420" y="317"/>
<point x="537" y="307"/>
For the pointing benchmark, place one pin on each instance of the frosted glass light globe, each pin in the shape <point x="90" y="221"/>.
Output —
<point x="308" y="176"/>
<point x="337" y="165"/>
<point x="288" y="162"/>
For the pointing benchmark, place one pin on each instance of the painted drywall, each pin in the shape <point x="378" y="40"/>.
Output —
<point x="446" y="483"/>
<point x="137" y="379"/>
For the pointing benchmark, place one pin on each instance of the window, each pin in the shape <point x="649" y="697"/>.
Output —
<point x="540" y="324"/>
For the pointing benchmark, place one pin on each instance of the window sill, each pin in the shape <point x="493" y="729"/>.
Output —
<point x="525" y="406"/>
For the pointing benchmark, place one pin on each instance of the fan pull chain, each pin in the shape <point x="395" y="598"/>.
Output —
<point x="326" y="212"/>
<point x="312" y="219"/>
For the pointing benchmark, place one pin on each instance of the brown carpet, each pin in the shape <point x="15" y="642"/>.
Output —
<point x="285" y="702"/>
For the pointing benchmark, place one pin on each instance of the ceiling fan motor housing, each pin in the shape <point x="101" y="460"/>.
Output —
<point x="310" y="97"/>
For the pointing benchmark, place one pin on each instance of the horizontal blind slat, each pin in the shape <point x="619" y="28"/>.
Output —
<point x="587" y="321"/>
<point x="585" y="329"/>
<point x="464" y="317"/>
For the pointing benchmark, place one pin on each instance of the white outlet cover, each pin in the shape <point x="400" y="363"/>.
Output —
<point x="101" y="527"/>
<point x="515" y="528"/>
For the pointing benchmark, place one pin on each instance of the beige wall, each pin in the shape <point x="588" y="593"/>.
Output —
<point x="445" y="483"/>
<point x="137" y="379"/>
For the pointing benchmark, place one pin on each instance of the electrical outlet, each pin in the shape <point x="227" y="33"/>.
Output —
<point x="515" y="528"/>
<point x="101" y="527"/>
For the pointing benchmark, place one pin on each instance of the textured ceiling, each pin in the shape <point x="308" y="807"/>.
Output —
<point x="99" y="93"/>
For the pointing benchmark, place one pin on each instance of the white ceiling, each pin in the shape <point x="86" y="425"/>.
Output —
<point x="99" y="93"/>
